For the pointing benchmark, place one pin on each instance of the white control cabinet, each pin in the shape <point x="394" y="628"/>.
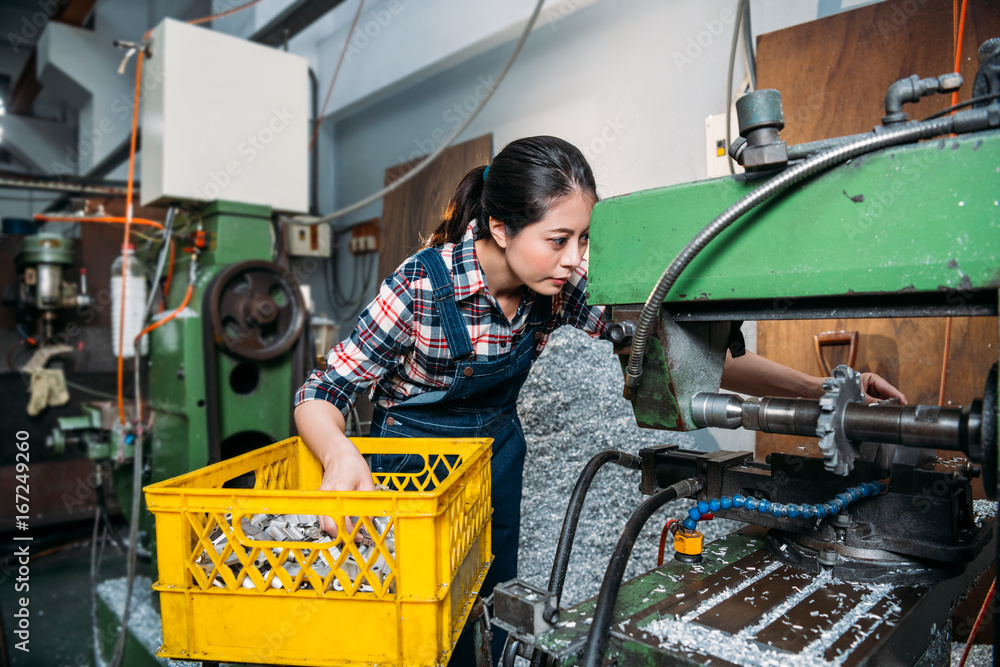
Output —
<point x="223" y="118"/>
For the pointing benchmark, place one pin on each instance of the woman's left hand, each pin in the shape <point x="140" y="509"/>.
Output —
<point x="877" y="389"/>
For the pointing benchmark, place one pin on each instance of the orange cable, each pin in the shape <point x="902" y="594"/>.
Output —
<point x="106" y="219"/>
<point x="131" y="188"/>
<point x="975" y="628"/>
<point x="206" y="19"/>
<point x="172" y="315"/>
<point x="329" y="90"/>
<point x="954" y="101"/>
<point x="128" y="226"/>
<point x="958" y="46"/>
<point x="944" y="361"/>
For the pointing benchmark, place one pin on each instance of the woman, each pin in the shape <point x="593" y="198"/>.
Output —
<point x="450" y="338"/>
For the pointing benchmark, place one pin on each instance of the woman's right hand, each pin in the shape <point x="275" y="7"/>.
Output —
<point x="321" y="426"/>
<point x="345" y="469"/>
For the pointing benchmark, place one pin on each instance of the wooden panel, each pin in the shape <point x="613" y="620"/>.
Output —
<point x="833" y="73"/>
<point x="415" y="209"/>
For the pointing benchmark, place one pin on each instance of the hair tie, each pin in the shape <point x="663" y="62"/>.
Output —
<point x="486" y="171"/>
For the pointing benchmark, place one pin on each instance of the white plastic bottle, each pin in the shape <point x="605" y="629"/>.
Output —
<point x="135" y="302"/>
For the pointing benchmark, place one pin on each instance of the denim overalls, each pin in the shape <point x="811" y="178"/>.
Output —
<point x="481" y="402"/>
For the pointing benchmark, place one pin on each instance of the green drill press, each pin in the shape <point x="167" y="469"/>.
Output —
<point x="222" y="371"/>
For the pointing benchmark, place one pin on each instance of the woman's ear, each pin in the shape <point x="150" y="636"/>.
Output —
<point x="499" y="232"/>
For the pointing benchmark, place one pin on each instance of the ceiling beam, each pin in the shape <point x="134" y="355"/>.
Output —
<point x="297" y="17"/>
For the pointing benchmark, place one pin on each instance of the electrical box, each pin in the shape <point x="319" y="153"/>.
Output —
<point x="309" y="240"/>
<point x="364" y="238"/>
<point x="223" y="118"/>
<point x="716" y="158"/>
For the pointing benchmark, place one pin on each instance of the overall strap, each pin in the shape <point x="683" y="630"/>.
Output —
<point x="455" y="331"/>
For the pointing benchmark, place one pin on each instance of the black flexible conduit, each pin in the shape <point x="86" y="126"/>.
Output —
<point x="568" y="534"/>
<point x="509" y="653"/>
<point x="780" y="183"/>
<point x="597" y="638"/>
<point x="561" y="562"/>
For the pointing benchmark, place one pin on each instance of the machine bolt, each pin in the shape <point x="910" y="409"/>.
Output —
<point x="620" y="332"/>
<point x="842" y="520"/>
<point x="828" y="557"/>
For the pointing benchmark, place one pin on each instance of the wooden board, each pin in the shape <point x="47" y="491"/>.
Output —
<point x="833" y="73"/>
<point x="414" y="210"/>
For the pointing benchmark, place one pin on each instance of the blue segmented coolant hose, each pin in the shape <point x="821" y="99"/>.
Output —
<point x="779" y="510"/>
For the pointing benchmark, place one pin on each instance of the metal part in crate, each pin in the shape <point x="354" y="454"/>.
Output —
<point x="245" y="575"/>
<point x="376" y="551"/>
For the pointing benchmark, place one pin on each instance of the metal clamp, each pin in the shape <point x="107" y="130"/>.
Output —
<point x="523" y="608"/>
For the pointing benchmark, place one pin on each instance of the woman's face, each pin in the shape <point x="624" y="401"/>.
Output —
<point x="545" y="254"/>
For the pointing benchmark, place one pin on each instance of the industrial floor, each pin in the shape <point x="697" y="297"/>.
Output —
<point x="60" y="601"/>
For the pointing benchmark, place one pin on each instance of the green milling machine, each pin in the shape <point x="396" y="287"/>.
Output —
<point x="216" y="368"/>
<point x="852" y="558"/>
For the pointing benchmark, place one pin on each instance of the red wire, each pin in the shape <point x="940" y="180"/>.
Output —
<point x="206" y="19"/>
<point x="958" y="46"/>
<point x="975" y="628"/>
<point x="329" y="90"/>
<point x="663" y="541"/>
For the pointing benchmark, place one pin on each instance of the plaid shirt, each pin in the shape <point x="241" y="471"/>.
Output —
<point x="398" y="349"/>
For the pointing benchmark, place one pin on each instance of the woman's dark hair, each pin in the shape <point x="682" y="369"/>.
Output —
<point x="524" y="180"/>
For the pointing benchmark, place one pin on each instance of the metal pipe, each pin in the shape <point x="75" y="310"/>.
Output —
<point x="168" y="229"/>
<point x="783" y="415"/>
<point x="597" y="638"/>
<point x="314" y="157"/>
<point x="907" y="425"/>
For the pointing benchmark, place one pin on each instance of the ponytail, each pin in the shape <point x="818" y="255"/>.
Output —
<point x="518" y="188"/>
<point x="465" y="206"/>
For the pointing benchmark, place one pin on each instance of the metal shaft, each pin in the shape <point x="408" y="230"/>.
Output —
<point x="908" y="425"/>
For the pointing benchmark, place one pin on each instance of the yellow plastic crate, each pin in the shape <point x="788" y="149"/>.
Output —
<point x="411" y="615"/>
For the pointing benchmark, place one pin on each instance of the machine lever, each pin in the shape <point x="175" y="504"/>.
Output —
<point x="830" y="338"/>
